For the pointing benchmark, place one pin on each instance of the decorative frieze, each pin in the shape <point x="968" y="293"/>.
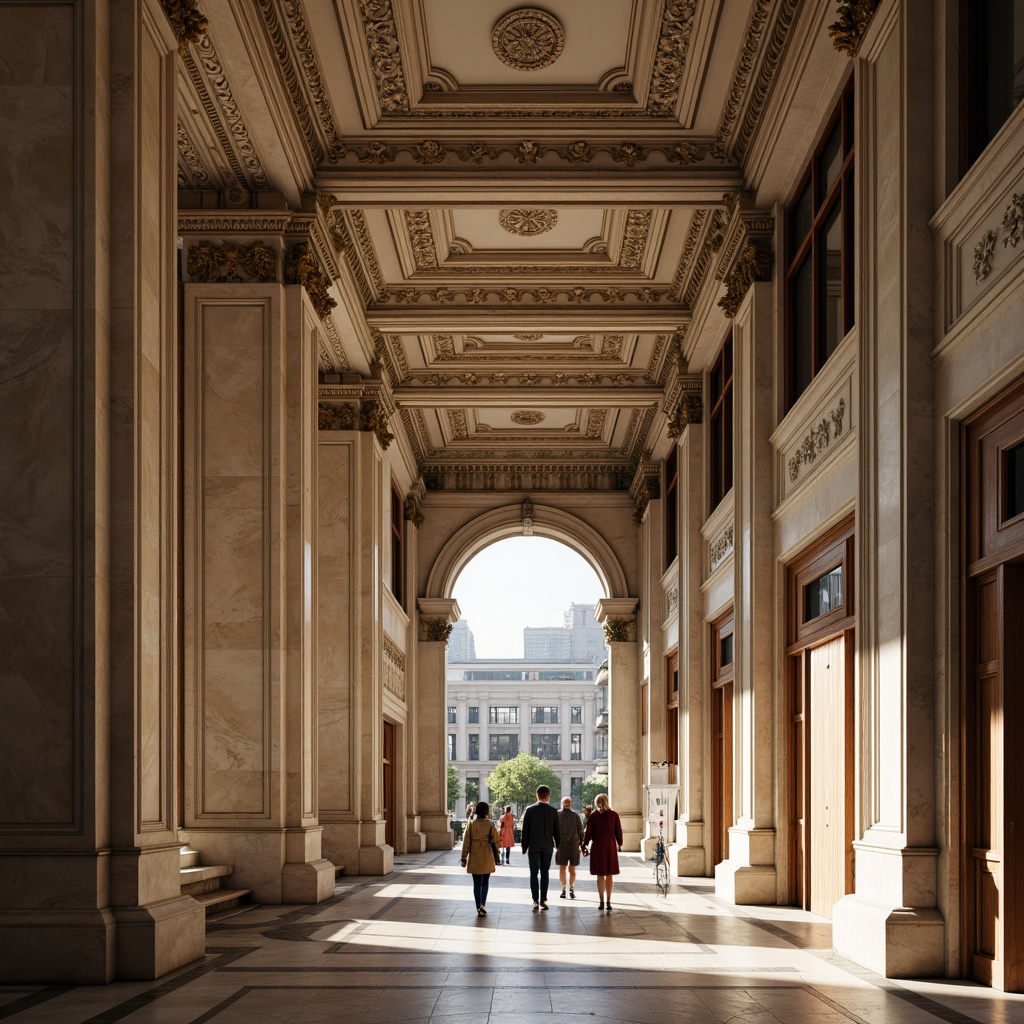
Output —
<point x="532" y="476"/>
<point x="848" y="29"/>
<point x="302" y="267"/>
<point x="356" y="405"/>
<point x="670" y="60"/>
<point x="828" y="429"/>
<point x="508" y="295"/>
<point x="671" y="600"/>
<point x="500" y="379"/>
<point x="435" y="629"/>
<point x="721" y="547"/>
<point x="394" y="668"/>
<point x="619" y="630"/>
<point x="231" y="262"/>
<point x="385" y="55"/>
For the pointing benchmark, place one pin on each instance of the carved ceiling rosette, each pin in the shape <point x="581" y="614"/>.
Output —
<point x="528" y="39"/>
<point x="527" y="223"/>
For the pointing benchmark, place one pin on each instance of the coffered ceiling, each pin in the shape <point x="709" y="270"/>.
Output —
<point x="523" y="204"/>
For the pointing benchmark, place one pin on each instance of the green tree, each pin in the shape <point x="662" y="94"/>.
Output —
<point x="472" y="791"/>
<point x="592" y="785"/>
<point x="515" y="781"/>
<point x="453" y="787"/>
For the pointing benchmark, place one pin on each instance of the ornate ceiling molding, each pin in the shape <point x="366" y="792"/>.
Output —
<point x="224" y="116"/>
<point x="577" y="295"/>
<point x="635" y="235"/>
<point x="192" y="172"/>
<point x="527" y="222"/>
<point x="528" y="39"/>
<point x="527" y="417"/>
<point x="670" y="61"/>
<point x="421" y="239"/>
<point x="187" y="23"/>
<point x="527" y="476"/>
<point x="385" y="55"/>
<point x="741" y="76"/>
<point x="528" y="379"/>
<point x="686" y="256"/>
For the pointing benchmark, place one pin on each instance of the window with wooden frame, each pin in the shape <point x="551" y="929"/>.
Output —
<point x="720" y="425"/>
<point x="991" y="71"/>
<point x="821" y="591"/>
<point x="672" y="708"/>
<point x="671" y="507"/>
<point x="819" y="255"/>
<point x="397" y="546"/>
<point x="723" y="656"/>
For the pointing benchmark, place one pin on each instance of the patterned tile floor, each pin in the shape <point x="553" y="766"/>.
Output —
<point x="410" y="948"/>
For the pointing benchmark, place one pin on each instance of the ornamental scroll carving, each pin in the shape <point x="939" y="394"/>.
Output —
<point x="208" y="263"/>
<point x="302" y="267"/>
<point x="819" y="437"/>
<point x="646" y="488"/>
<point x="721" y="547"/>
<point x="848" y="29"/>
<point x="618" y="631"/>
<point x="436" y="630"/>
<point x="394" y="668"/>
<point x="1013" y="221"/>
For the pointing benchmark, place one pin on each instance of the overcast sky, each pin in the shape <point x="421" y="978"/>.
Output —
<point x="521" y="581"/>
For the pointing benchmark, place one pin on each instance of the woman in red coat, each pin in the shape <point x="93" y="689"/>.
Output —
<point x="508" y="833"/>
<point x="603" y="840"/>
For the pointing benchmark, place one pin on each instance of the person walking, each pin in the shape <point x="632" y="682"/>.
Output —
<point x="570" y="839"/>
<point x="508" y="834"/>
<point x="539" y="839"/>
<point x="603" y="839"/>
<point x="478" y="854"/>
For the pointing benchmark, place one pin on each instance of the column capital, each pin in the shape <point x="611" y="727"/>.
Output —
<point x="437" y="616"/>
<point x="615" y="607"/>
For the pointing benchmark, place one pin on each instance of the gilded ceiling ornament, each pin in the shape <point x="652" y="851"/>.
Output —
<point x="848" y="30"/>
<point x="375" y="418"/>
<point x="629" y="153"/>
<point x="528" y="39"/>
<point x="231" y="262"/>
<point x="527" y="223"/>
<point x="421" y="238"/>
<point x="412" y="510"/>
<point x="385" y="57"/>
<point x="579" y="153"/>
<point x="527" y="417"/>
<point x="187" y="22"/>
<point x="528" y="337"/>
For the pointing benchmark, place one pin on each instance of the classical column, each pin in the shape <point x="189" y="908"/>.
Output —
<point x="349" y="637"/>
<point x="251" y="702"/>
<point x="749" y="874"/>
<point x="89" y="866"/>
<point x="436" y="618"/>
<point x="892" y="923"/>
<point x="688" y="853"/>
<point x="625" y="757"/>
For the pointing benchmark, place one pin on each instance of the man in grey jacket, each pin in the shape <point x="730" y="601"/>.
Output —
<point x="540" y="837"/>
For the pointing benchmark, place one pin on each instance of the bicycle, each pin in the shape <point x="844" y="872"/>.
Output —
<point x="661" y="864"/>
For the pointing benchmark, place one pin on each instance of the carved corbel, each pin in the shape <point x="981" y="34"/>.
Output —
<point x="690" y="405"/>
<point x="187" y="22"/>
<point x="302" y="267"/>
<point x="436" y="629"/>
<point x="618" y="631"/>
<point x="646" y="488"/>
<point x="754" y="263"/>
<point x="849" y="28"/>
<point x="413" y="512"/>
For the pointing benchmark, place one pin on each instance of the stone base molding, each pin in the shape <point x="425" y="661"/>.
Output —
<point x="748" y="876"/>
<point x="415" y="837"/>
<point x="891" y="924"/>
<point x="438" y="831"/>
<point x="687" y="856"/>
<point x="359" y="847"/>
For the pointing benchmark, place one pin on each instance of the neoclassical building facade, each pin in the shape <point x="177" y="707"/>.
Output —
<point x="305" y="302"/>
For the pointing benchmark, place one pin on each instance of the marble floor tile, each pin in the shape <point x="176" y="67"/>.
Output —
<point x="411" y="948"/>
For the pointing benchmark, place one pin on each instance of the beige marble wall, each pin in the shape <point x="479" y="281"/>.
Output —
<point x="87" y="446"/>
<point x="250" y="685"/>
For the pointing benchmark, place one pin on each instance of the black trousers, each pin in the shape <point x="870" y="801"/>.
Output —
<point x="540" y="863"/>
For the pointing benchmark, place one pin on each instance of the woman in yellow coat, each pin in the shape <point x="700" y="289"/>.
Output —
<point x="478" y="845"/>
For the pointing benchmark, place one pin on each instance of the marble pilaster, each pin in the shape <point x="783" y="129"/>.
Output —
<point x="749" y="874"/>
<point x="435" y="618"/>
<point x="625" y="767"/>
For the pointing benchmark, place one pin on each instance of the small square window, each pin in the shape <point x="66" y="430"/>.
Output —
<point x="824" y="595"/>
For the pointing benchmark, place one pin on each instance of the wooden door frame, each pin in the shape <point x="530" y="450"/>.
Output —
<point x="835" y="548"/>
<point x="722" y="688"/>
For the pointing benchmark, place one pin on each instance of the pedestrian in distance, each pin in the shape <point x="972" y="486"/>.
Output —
<point x="479" y="854"/>
<point x="539" y="839"/>
<point x="603" y="839"/>
<point x="508" y="834"/>
<point x="570" y="839"/>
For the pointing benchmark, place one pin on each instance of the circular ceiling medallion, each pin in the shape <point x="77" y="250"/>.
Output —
<point x="528" y="39"/>
<point x="527" y="417"/>
<point x="527" y="337"/>
<point x="527" y="222"/>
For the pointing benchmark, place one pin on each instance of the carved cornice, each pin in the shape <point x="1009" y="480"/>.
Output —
<point x="670" y="60"/>
<point x="817" y="440"/>
<point x="578" y="295"/>
<point x="187" y="22"/>
<point x="336" y="357"/>
<point x="754" y="264"/>
<point x="436" y="629"/>
<point x="686" y="256"/>
<point x="225" y="117"/>
<point x="302" y="267"/>
<point x="230" y="262"/>
<point x="741" y="76"/>
<point x="529" y="379"/>
<point x="619" y="630"/>
<point x="218" y="222"/>
<point x="360" y="404"/>
<point x="192" y="172"/>
<point x="527" y="476"/>
<point x="847" y="31"/>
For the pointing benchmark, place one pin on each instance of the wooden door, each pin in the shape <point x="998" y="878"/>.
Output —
<point x="829" y="843"/>
<point x="721" y="754"/>
<point x="389" y="784"/>
<point x="994" y="863"/>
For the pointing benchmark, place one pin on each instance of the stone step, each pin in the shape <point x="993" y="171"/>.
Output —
<point x="203" y="878"/>
<point x="189" y="857"/>
<point x="221" y="899"/>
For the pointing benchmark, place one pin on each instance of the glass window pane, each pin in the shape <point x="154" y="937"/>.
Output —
<point x="824" y="595"/>
<point x="803" y="329"/>
<point x="727" y="651"/>
<point x="830" y="283"/>
<point x="1015" y="481"/>
<point x="995" y="46"/>
<point x="800" y="220"/>
<point x="831" y="160"/>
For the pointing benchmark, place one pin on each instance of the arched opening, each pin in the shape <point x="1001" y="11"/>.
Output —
<point x="522" y="675"/>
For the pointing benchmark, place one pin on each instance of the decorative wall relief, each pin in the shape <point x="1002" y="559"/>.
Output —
<point x="436" y="630"/>
<point x="828" y="429"/>
<point x="394" y="668"/>
<point x="618" y="631"/>
<point x="646" y="488"/>
<point x="336" y="417"/>
<point x="671" y="600"/>
<point x="230" y="262"/>
<point x="385" y="55"/>
<point x="421" y="237"/>
<point x="375" y="418"/>
<point x="1013" y="221"/>
<point x="302" y="267"/>
<point x="528" y="39"/>
<point x="721" y="547"/>
<point x="983" y="253"/>
<point x="526" y="516"/>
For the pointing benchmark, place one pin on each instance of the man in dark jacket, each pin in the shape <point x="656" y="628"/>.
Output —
<point x="540" y="837"/>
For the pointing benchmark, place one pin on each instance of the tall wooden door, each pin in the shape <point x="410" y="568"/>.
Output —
<point x="722" y="678"/>
<point x="995" y="873"/>
<point x="389" y="784"/>
<point x="828" y="833"/>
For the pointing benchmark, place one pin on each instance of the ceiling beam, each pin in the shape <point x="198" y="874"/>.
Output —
<point x="462" y="396"/>
<point x="582" y="319"/>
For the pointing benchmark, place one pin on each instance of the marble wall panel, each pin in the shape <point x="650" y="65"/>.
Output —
<point x="39" y="356"/>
